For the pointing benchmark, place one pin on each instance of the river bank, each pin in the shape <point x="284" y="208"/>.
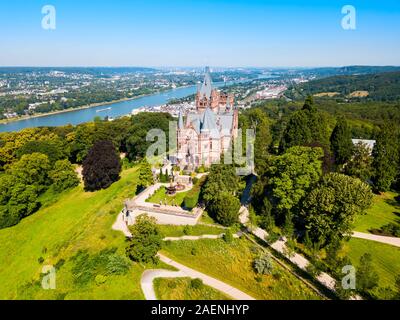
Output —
<point x="92" y="105"/>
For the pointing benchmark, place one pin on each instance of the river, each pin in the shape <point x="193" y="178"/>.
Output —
<point x="111" y="110"/>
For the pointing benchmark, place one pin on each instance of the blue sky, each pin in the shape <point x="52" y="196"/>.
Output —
<point x="269" y="33"/>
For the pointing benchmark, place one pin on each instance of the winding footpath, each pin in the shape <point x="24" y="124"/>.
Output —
<point x="183" y="271"/>
<point x="148" y="276"/>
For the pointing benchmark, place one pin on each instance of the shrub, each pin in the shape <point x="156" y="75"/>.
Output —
<point x="172" y="284"/>
<point x="100" y="279"/>
<point x="59" y="264"/>
<point x="41" y="260"/>
<point x="196" y="283"/>
<point x="87" y="268"/>
<point x="192" y="197"/>
<point x="391" y="229"/>
<point x="228" y="236"/>
<point x="186" y="230"/>
<point x="193" y="251"/>
<point x="117" y="264"/>
<point x="263" y="264"/>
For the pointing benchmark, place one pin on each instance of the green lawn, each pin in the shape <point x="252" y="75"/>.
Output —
<point x="180" y="289"/>
<point x="77" y="221"/>
<point x="385" y="259"/>
<point x="196" y="230"/>
<point x="232" y="263"/>
<point x="161" y="196"/>
<point x="384" y="210"/>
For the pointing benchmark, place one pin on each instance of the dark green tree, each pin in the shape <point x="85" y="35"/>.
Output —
<point x="222" y="178"/>
<point x="142" y="123"/>
<point x="293" y="174"/>
<point x="367" y="277"/>
<point x="386" y="157"/>
<point x="101" y="167"/>
<point x="146" y="177"/>
<point x="341" y="143"/>
<point x="360" y="165"/>
<point x="257" y="120"/>
<point x="305" y="127"/>
<point x="266" y="220"/>
<point x="330" y="209"/>
<point x="225" y="208"/>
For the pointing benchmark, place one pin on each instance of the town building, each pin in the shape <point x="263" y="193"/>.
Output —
<point x="208" y="131"/>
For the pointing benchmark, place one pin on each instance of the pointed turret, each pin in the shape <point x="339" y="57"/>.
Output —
<point x="228" y="104"/>
<point x="206" y="88"/>
<point x="180" y="120"/>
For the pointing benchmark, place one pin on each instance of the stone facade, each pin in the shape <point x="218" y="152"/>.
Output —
<point x="208" y="132"/>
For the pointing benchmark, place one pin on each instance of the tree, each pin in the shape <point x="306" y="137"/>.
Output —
<point x="367" y="278"/>
<point x="32" y="169"/>
<point x="360" y="165"/>
<point x="288" y="227"/>
<point x="258" y="121"/>
<point x="306" y="126"/>
<point x="293" y="174"/>
<point x="341" y="143"/>
<point x="330" y="209"/>
<point x="141" y="124"/>
<point x="225" y="208"/>
<point x="145" y="175"/>
<point x="222" y="178"/>
<point x="23" y="200"/>
<point x="266" y="220"/>
<point x="54" y="149"/>
<point x="397" y="286"/>
<point x="101" y="167"/>
<point x="63" y="176"/>
<point x="146" y="240"/>
<point x="386" y="157"/>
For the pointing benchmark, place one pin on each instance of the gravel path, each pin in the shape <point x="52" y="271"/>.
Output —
<point x="382" y="239"/>
<point x="149" y="276"/>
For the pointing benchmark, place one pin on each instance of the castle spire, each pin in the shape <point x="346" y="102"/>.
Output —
<point x="180" y="120"/>
<point x="206" y="88"/>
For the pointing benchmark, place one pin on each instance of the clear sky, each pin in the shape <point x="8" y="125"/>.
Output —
<point x="268" y="33"/>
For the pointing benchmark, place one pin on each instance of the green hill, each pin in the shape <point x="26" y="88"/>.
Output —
<point x="74" y="234"/>
<point x="369" y="87"/>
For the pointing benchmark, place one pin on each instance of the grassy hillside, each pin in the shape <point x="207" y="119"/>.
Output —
<point x="71" y="233"/>
<point x="232" y="263"/>
<point x="181" y="289"/>
<point x="386" y="209"/>
<point x="385" y="260"/>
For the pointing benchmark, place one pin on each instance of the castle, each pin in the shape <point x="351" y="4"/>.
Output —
<point x="207" y="132"/>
